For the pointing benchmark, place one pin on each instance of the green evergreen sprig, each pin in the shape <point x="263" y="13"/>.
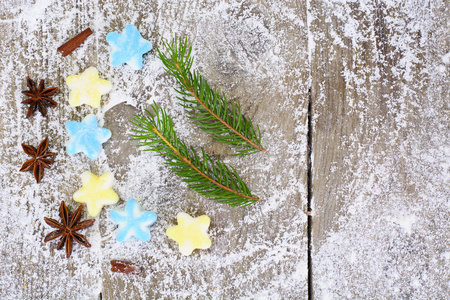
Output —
<point x="206" y="106"/>
<point x="210" y="178"/>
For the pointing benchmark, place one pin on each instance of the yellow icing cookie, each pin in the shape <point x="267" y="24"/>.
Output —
<point x="96" y="192"/>
<point x="190" y="233"/>
<point x="87" y="88"/>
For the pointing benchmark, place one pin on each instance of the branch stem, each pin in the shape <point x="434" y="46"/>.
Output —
<point x="191" y="90"/>
<point x="189" y="162"/>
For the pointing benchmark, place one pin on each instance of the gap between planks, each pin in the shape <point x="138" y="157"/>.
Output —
<point x="309" y="195"/>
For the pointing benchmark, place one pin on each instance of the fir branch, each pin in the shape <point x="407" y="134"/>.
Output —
<point x="210" y="178"/>
<point x="206" y="106"/>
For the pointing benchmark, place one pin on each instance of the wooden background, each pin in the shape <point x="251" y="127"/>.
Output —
<point x="376" y="122"/>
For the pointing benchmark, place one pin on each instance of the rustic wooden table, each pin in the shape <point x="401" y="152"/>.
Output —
<point x="352" y="98"/>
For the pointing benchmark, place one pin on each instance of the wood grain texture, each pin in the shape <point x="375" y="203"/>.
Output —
<point x="32" y="269"/>
<point x="255" y="52"/>
<point x="256" y="251"/>
<point x="380" y="98"/>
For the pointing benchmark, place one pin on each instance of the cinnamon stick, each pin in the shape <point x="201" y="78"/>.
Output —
<point x="126" y="267"/>
<point x="74" y="43"/>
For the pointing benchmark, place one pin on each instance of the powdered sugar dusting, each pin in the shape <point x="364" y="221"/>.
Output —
<point x="391" y="231"/>
<point x="256" y="252"/>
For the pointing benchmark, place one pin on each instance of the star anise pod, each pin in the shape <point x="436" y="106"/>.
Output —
<point x="39" y="97"/>
<point x="67" y="230"/>
<point x="39" y="161"/>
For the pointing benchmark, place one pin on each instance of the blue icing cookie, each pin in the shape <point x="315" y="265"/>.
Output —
<point x="133" y="221"/>
<point x="128" y="47"/>
<point x="86" y="137"/>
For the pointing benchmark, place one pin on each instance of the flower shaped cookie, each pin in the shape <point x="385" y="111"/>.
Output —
<point x="190" y="233"/>
<point x="87" y="88"/>
<point x="96" y="192"/>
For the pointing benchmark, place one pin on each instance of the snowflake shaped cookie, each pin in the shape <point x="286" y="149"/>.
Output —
<point x="128" y="47"/>
<point x="133" y="221"/>
<point x="86" y="137"/>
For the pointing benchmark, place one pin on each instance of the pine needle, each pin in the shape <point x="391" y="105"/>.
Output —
<point x="212" y="179"/>
<point x="206" y="106"/>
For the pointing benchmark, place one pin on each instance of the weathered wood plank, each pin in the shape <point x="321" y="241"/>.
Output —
<point x="255" y="53"/>
<point x="380" y="95"/>
<point x="31" y="269"/>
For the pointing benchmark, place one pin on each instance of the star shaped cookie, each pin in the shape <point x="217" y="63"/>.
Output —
<point x="96" y="192"/>
<point x="87" y="88"/>
<point x="190" y="233"/>
<point x="133" y="221"/>
<point x="86" y="137"/>
<point x="128" y="47"/>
